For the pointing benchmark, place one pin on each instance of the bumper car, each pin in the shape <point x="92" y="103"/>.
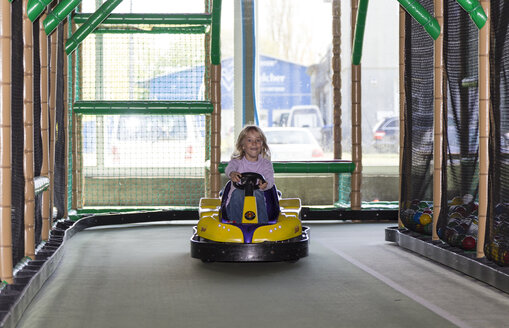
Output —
<point x="219" y="238"/>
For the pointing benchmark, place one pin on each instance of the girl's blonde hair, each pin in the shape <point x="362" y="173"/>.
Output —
<point x="239" y="153"/>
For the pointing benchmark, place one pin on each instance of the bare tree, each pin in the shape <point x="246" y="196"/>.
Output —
<point x="284" y="32"/>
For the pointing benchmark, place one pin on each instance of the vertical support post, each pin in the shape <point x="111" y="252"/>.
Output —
<point x="484" y="106"/>
<point x="208" y="118"/>
<point x="238" y="70"/>
<point x="28" y="119"/>
<point x="215" y="158"/>
<point x="44" y="130"/>
<point x="66" y="122"/>
<point x="80" y="182"/>
<point x="5" y="143"/>
<point x="438" y="119"/>
<point x="336" y="86"/>
<point x="52" y="118"/>
<point x="355" y="193"/>
<point x="401" y="104"/>
<point x="215" y="98"/>
<point x="77" y="158"/>
<point x="75" y="137"/>
<point x="248" y="62"/>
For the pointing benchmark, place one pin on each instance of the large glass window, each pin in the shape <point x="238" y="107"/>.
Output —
<point x="294" y="76"/>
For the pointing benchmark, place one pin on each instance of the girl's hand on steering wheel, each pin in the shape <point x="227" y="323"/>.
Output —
<point x="235" y="177"/>
<point x="262" y="185"/>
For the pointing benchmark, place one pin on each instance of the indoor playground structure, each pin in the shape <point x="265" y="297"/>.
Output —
<point x="114" y="118"/>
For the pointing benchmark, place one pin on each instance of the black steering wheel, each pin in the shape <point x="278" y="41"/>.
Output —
<point x="248" y="182"/>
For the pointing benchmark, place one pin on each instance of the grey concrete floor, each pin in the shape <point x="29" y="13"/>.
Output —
<point x="143" y="276"/>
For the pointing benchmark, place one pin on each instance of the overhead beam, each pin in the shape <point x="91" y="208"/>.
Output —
<point x="92" y="22"/>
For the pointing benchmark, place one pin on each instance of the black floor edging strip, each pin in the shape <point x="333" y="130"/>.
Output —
<point x="453" y="257"/>
<point x="15" y="297"/>
<point x="308" y="214"/>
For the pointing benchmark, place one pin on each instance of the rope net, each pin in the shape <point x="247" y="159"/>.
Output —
<point x="142" y="160"/>
<point x="496" y="245"/>
<point x="417" y="180"/>
<point x="17" y="139"/>
<point x="143" y="66"/>
<point x="457" y="223"/>
<point x="137" y="160"/>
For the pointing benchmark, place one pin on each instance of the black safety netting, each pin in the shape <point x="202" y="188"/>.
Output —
<point x="496" y="245"/>
<point x="37" y="127"/>
<point x="457" y="222"/>
<point x="17" y="139"/>
<point x="60" y="172"/>
<point x="417" y="167"/>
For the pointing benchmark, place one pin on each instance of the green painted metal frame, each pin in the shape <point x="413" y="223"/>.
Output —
<point x="142" y="107"/>
<point x="413" y="7"/>
<point x="36" y="7"/>
<point x="92" y="22"/>
<point x="215" y="44"/>
<point x="332" y="166"/>
<point x="199" y="29"/>
<point x="421" y="15"/>
<point x="360" y="26"/>
<point x="150" y="19"/>
<point x="58" y="14"/>
<point x="194" y="24"/>
<point x="475" y="11"/>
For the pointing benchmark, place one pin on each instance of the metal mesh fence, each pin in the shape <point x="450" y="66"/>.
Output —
<point x="143" y="66"/>
<point x="156" y="159"/>
<point x="142" y="160"/>
<point x="149" y="6"/>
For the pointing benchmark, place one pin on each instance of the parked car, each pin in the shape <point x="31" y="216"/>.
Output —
<point x="282" y="118"/>
<point x="154" y="141"/>
<point x="307" y="116"/>
<point x="289" y="144"/>
<point x="386" y="135"/>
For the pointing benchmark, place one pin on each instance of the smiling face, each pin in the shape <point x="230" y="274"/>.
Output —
<point x="252" y="145"/>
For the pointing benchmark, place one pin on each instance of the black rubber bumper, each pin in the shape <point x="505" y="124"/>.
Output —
<point x="289" y="250"/>
<point x="455" y="258"/>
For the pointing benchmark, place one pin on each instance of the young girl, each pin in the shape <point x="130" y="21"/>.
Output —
<point x="251" y="154"/>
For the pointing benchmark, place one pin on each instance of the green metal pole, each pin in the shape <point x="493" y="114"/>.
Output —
<point x="421" y="15"/>
<point x="307" y="167"/>
<point x="59" y="14"/>
<point x="142" y="107"/>
<point x="93" y="21"/>
<point x="475" y="11"/>
<point x="360" y="25"/>
<point x="36" y="7"/>
<point x="215" y="48"/>
<point x="150" y="19"/>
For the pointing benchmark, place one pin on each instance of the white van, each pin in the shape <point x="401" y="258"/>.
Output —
<point x="145" y="141"/>
<point x="307" y="116"/>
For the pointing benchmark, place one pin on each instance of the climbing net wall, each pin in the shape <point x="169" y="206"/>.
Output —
<point x="497" y="239"/>
<point x="458" y="222"/>
<point x="417" y="181"/>
<point x="457" y="219"/>
<point x="142" y="100"/>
